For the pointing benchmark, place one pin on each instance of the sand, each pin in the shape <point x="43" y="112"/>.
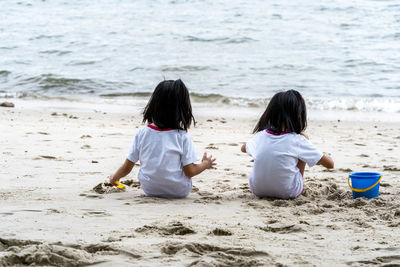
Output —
<point x="57" y="209"/>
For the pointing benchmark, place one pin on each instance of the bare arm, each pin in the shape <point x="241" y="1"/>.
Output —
<point x="326" y="161"/>
<point x="123" y="171"/>
<point x="243" y="148"/>
<point x="194" y="169"/>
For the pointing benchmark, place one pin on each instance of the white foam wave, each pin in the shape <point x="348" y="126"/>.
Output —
<point x="381" y="104"/>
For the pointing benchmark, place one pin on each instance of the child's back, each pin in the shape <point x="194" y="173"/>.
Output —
<point x="281" y="149"/>
<point x="275" y="171"/>
<point x="164" y="149"/>
<point x="162" y="153"/>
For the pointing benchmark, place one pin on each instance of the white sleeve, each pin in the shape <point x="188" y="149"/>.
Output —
<point x="307" y="152"/>
<point x="252" y="144"/>
<point x="133" y="155"/>
<point x="188" y="153"/>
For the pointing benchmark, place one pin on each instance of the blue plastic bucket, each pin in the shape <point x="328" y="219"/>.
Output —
<point x="365" y="184"/>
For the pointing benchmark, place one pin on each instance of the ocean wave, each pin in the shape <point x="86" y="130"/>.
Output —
<point x="346" y="9"/>
<point x="136" y="68"/>
<point x="56" y="52"/>
<point x="133" y="94"/>
<point x="346" y="26"/>
<point x="42" y="36"/>
<point x="186" y="68"/>
<point x="8" y="47"/>
<point x="292" y="67"/>
<point x="376" y="103"/>
<point x="370" y="103"/>
<point x="392" y="36"/>
<point x="79" y="63"/>
<point x="50" y="83"/>
<point x="224" y="40"/>
<point x="212" y="98"/>
<point x="55" y="85"/>
<point x="4" y="73"/>
<point x="196" y="97"/>
<point x="351" y="63"/>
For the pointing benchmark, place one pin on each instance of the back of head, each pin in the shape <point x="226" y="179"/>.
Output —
<point x="169" y="106"/>
<point x="286" y="112"/>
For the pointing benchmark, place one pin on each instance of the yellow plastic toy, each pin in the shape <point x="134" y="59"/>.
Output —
<point x="119" y="185"/>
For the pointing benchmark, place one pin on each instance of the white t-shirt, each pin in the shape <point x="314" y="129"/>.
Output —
<point x="162" y="154"/>
<point x="275" y="172"/>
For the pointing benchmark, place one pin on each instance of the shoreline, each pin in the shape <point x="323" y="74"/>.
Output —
<point x="50" y="162"/>
<point x="123" y="105"/>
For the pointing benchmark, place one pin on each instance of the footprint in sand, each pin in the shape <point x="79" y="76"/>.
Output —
<point x="212" y="255"/>
<point x="91" y="196"/>
<point x="391" y="168"/>
<point x="397" y="213"/>
<point x="19" y="252"/>
<point x="112" y="239"/>
<point x="53" y="211"/>
<point x="280" y="203"/>
<point x="384" y="184"/>
<point x="211" y="146"/>
<point x="208" y="196"/>
<point x="345" y="170"/>
<point x="173" y="228"/>
<point x="131" y="183"/>
<point x="96" y="213"/>
<point x="282" y="228"/>
<point x="391" y="260"/>
<point x="221" y="232"/>
<point x="328" y="191"/>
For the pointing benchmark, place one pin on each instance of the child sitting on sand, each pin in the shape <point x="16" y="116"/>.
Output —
<point x="281" y="149"/>
<point x="164" y="148"/>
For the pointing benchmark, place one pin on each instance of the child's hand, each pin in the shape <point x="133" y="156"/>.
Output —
<point x="113" y="180"/>
<point x="194" y="169"/>
<point x="208" y="161"/>
<point x="243" y="148"/>
<point x="305" y="135"/>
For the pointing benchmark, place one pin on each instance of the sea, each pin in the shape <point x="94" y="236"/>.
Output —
<point x="340" y="54"/>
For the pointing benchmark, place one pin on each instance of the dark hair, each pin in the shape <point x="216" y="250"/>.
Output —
<point x="169" y="106"/>
<point x="286" y="112"/>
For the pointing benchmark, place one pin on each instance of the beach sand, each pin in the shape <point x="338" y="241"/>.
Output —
<point x="53" y="156"/>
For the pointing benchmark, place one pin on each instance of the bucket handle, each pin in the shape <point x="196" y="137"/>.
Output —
<point x="358" y="190"/>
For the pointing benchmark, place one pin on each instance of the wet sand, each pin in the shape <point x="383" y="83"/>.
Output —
<point x="56" y="211"/>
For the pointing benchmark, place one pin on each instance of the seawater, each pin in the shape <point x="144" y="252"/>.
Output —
<point x="341" y="55"/>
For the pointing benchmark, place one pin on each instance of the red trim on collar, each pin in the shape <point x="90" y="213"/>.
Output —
<point x="158" y="129"/>
<point x="270" y="132"/>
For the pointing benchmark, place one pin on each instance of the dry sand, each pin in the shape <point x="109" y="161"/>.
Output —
<point x="52" y="158"/>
